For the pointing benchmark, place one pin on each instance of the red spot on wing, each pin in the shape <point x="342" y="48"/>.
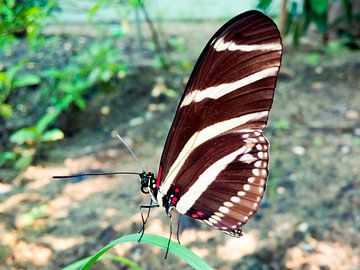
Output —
<point x="158" y="179"/>
<point x="173" y="200"/>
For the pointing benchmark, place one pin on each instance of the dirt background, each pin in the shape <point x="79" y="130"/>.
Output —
<point x="309" y="219"/>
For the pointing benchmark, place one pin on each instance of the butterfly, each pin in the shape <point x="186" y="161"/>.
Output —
<point x="214" y="165"/>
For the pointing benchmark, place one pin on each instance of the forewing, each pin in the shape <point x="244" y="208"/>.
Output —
<point x="234" y="79"/>
<point x="219" y="124"/>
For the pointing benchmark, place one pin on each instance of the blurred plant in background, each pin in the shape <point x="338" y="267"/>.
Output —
<point x="332" y="18"/>
<point x="62" y="86"/>
<point x="23" y="18"/>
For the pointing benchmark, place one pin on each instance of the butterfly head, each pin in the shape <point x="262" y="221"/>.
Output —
<point x="148" y="182"/>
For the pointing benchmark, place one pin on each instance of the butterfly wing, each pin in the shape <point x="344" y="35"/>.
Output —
<point x="215" y="153"/>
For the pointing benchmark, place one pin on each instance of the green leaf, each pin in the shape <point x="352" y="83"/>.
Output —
<point x="313" y="59"/>
<point x="53" y="73"/>
<point x="80" y="102"/>
<point x="124" y="261"/>
<point x="319" y="6"/>
<point x="282" y="124"/>
<point x="94" y="9"/>
<point x="23" y="162"/>
<point x="6" y="156"/>
<point x="3" y="77"/>
<point x="348" y="11"/>
<point x="106" y="75"/>
<point x="175" y="248"/>
<point x="26" y="80"/>
<point x="117" y="32"/>
<point x="170" y="93"/>
<point x="13" y="70"/>
<point x="52" y="135"/>
<point x="296" y="32"/>
<point x="6" y="110"/>
<point x="321" y="23"/>
<point x="33" y="12"/>
<point x="25" y="135"/>
<point x="94" y="75"/>
<point x="47" y="119"/>
<point x="264" y="4"/>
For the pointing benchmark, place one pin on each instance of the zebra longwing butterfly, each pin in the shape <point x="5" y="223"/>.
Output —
<point x="215" y="161"/>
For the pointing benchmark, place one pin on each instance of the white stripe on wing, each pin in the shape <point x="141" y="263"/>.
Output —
<point x="215" y="92"/>
<point x="199" y="138"/>
<point x="220" y="45"/>
<point x="188" y="199"/>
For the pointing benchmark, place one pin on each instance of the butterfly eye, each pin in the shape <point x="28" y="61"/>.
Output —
<point x="144" y="181"/>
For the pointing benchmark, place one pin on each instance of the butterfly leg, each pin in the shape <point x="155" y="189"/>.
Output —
<point x="170" y="236"/>
<point x="178" y="230"/>
<point x="144" y="220"/>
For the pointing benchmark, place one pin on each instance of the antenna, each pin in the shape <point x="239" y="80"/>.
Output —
<point x="131" y="152"/>
<point x="106" y="173"/>
<point x="91" y="174"/>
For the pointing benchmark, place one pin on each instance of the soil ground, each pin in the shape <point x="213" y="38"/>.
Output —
<point x="309" y="218"/>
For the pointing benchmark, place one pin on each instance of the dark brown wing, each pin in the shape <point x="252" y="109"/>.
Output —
<point x="221" y="115"/>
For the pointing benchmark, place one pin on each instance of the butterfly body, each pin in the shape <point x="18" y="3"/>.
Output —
<point x="214" y="165"/>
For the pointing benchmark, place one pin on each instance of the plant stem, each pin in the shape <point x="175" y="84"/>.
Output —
<point x="154" y="36"/>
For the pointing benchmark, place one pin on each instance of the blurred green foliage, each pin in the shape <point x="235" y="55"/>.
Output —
<point x="282" y="124"/>
<point x="64" y="87"/>
<point x="61" y="87"/>
<point x="23" y="18"/>
<point x="10" y="79"/>
<point x="301" y="14"/>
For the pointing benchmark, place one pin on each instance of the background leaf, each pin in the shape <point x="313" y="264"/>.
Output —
<point x="25" y="135"/>
<point x="45" y="120"/>
<point x="26" y="80"/>
<point x="175" y="248"/>
<point x="52" y="135"/>
<point x="6" y="110"/>
<point x="319" y="6"/>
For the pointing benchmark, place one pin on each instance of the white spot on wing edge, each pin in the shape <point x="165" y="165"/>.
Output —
<point x="251" y="179"/>
<point x="216" y="217"/>
<point x="228" y="204"/>
<point x="256" y="172"/>
<point x="247" y="158"/>
<point x="219" y="214"/>
<point x="213" y="221"/>
<point x="259" y="147"/>
<point x="224" y="209"/>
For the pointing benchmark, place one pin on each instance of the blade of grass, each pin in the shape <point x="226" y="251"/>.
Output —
<point x="124" y="261"/>
<point x="175" y="248"/>
<point x="76" y="265"/>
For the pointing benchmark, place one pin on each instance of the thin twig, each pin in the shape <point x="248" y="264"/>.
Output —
<point x="155" y="36"/>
